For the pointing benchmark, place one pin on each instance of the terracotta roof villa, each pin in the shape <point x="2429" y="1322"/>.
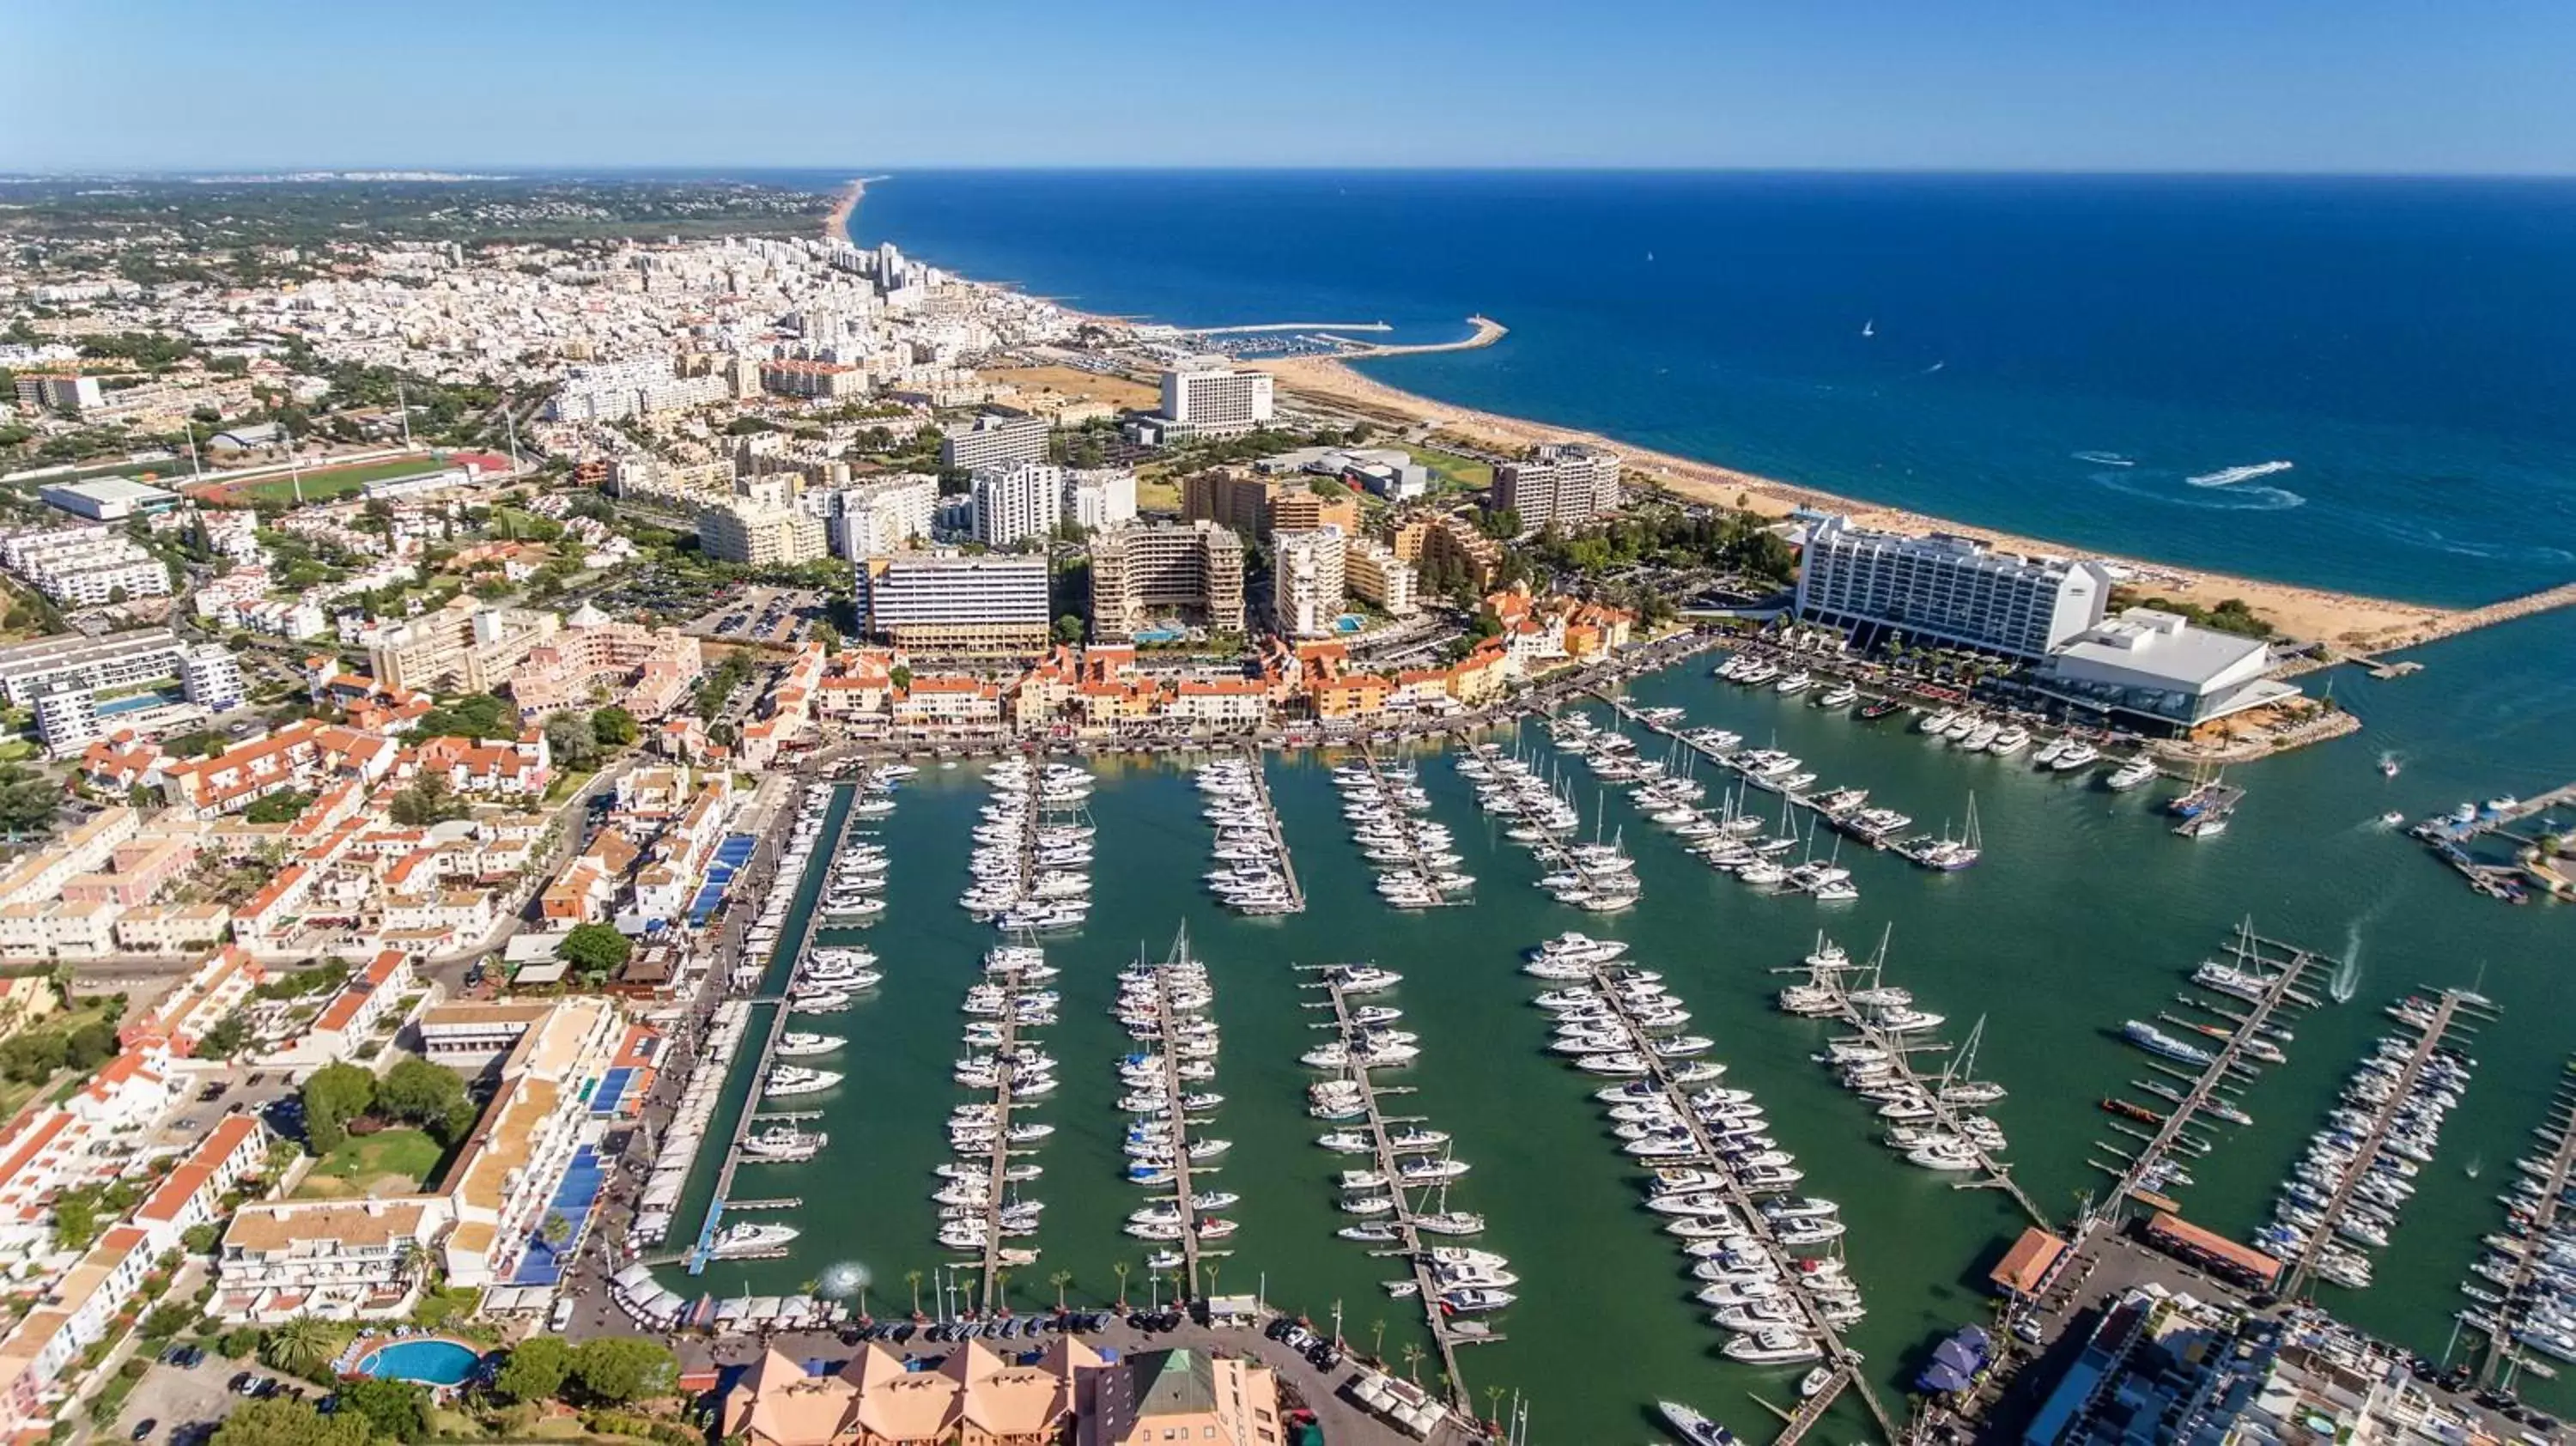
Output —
<point x="977" y="1397"/>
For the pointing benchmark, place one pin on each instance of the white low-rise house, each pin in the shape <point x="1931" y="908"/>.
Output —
<point x="336" y="1259"/>
<point x="192" y="1194"/>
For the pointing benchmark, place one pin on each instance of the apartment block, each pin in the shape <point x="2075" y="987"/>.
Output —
<point x="1141" y="572"/>
<point x="995" y="441"/>
<point x="1215" y="400"/>
<point x="1306" y="581"/>
<point x="1372" y="571"/>
<point x="464" y="646"/>
<point x="947" y="602"/>
<point x="758" y="535"/>
<point x="1560" y="484"/>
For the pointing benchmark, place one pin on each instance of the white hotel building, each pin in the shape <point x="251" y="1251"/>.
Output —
<point x="1215" y="400"/>
<point x="948" y="603"/>
<point x="1945" y="590"/>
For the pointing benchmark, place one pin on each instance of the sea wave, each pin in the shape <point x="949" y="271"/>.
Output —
<point x="2106" y="459"/>
<point x="2230" y="476"/>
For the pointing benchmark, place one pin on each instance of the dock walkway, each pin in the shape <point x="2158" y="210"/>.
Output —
<point x="2303" y="1265"/>
<point x="1841" y="1357"/>
<point x="1387" y="787"/>
<point x="1253" y="759"/>
<point x="998" y="1165"/>
<point x="2561" y="1166"/>
<point x="1167" y="1019"/>
<point x="2286" y="965"/>
<point x="1426" y="1290"/>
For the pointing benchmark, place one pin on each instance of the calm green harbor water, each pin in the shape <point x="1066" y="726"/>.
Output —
<point x="2085" y="912"/>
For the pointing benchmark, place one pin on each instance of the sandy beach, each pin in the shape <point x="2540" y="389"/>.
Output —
<point x="836" y="225"/>
<point x="2308" y="614"/>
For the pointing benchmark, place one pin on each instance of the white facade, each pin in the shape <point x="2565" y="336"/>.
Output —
<point x="1943" y="589"/>
<point x="1099" y="498"/>
<point x="1216" y="399"/>
<point x="935" y="600"/>
<point x="1306" y="580"/>
<point x="879" y="517"/>
<point x="85" y="566"/>
<point x="1563" y="484"/>
<point x="213" y="680"/>
<point x="119" y="660"/>
<point x="995" y="441"/>
<point x="1018" y="503"/>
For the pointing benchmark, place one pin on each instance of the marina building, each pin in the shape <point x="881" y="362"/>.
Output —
<point x="1560" y="484"/>
<point x="2156" y="671"/>
<point x="995" y="441"/>
<point x="1943" y="589"/>
<point x="1140" y="573"/>
<point x="1066" y="1393"/>
<point x="1211" y="399"/>
<point x="953" y="603"/>
<point x="760" y="534"/>
<point x="1306" y="579"/>
<point x="1018" y="503"/>
<point x="1372" y="571"/>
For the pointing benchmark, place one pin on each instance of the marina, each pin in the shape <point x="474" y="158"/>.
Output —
<point x="2264" y="976"/>
<point x="1387" y="1197"/>
<point x="2043" y="1039"/>
<point x="1253" y="874"/>
<point x="1598" y="877"/>
<point x="982" y="1208"/>
<point x="2360" y="1169"/>
<point x="2531" y="1267"/>
<point x="1384" y="803"/>
<point x="1165" y="1005"/>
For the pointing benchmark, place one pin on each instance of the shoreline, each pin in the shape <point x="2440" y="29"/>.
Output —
<point x="836" y="222"/>
<point x="2342" y="620"/>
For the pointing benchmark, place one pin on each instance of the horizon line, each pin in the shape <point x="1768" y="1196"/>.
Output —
<point x="516" y="171"/>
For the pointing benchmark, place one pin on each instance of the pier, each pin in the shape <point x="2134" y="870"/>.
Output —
<point x="1407" y="1219"/>
<point x="1947" y="1117"/>
<point x="1417" y="860"/>
<point x="1800" y="798"/>
<point x="1253" y="762"/>
<point x="2446" y="1010"/>
<point x="2283" y="965"/>
<point x="1844" y="1361"/>
<point x="1167" y="1017"/>
<point x="2554" y="1176"/>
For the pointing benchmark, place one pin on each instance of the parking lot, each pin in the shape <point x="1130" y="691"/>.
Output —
<point x="761" y="615"/>
<point x="183" y="1405"/>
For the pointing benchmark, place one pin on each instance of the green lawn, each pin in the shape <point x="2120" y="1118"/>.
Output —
<point x="323" y="484"/>
<point x="1453" y="471"/>
<point x="388" y="1161"/>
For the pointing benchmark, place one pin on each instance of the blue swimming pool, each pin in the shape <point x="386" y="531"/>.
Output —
<point x="430" y="1362"/>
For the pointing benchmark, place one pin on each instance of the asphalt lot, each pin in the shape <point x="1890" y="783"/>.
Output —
<point x="184" y="1405"/>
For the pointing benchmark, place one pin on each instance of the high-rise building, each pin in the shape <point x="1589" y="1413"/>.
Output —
<point x="948" y="603"/>
<point x="1372" y="571"/>
<point x="1099" y="497"/>
<point x="1143" y="572"/>
<point x="1946" y="589"/>
<point x="1306" y="580"/>
<point x="1263" y="505"/>
<point x="210" y="677"/>
<point x="1215" y="400"/>
<point x="760" y="534"/>
<point x="1016" y="503"/>
<point x="1436" y="542"/>
<point x="882" y="514"/>
<point x="1561" y="483"/>
<point x="995" y="441"/>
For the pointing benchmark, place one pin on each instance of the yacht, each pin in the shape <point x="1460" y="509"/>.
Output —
<point x="2013" y="739"/>
<point x="1840" y="695"/>
<point x="1774" y="1346"/>
<point x="797" y="1045"/>
<point x="786" y="1080"/>
<point x="784" y="1144"/>
<point x="2079" y="754"/>
<point x="2136" y="771"/>
<point x="737" y="1241"/>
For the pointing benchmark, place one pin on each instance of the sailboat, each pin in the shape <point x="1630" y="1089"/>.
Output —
<point x="1869" y="327"/>
<point x="1959" y="1082"/>
<point x="1945" y="853"/>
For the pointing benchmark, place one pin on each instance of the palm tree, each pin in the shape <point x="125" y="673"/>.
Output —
<point x="1494" y="1403"/>
<point x="1211" y="1274"/>
<point x="1377" y="1339"/>
<point x="1413" y="1362"/>
<point x="913" y="1278"/>
<point x="1121" y="1268"/>
<point x="1002" y="1290"/>
<point x="298" y="1344"/>
<point x="1060" y="1280"/>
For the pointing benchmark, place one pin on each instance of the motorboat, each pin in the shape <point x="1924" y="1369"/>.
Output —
<point x="736" y="1242"/>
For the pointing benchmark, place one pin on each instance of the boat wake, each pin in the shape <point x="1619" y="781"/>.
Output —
<point x="841" y="1281"/>
<point x="2160" y="487"/>
<point x="2106" y="459"/>
<point x="2422" y="536"/>
<point x="2230" y="476"/>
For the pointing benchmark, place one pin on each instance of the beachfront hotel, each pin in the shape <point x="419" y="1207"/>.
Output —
<point x="1562" y="483"/>
<point x="1193" y="570"/>
<point x="1209" y="399"/>
<point x="1945" y="590"/>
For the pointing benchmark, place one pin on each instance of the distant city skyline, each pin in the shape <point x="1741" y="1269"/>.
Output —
<point x="2372" y="86"/>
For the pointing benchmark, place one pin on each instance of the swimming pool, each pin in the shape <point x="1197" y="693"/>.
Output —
<point x="430" y="1362"/>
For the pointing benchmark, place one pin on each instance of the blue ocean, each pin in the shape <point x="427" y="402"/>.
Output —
<point x="2361" y="384"/>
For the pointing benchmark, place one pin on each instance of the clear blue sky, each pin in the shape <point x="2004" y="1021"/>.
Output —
<point x="2262" y="85"/>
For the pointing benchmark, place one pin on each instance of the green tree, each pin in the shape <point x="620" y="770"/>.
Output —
<point x="428" y="801"/>
<point x="613" y="727"/>
<point x="168" y="1319"/>
<point x="32" y="1058"/>
<point x="27" y="801"/>
<point x="333" y="1096"/>
<point x="225" y="1037"/>
<point x="536" y="1370"/>
<point x="76" y="1218"/>
<point x="572" y="739"/>
<point x="297" y="1345"/>
<point x="1068" y="628"/>
<point x="279" y="807"/>
<point x="91" y="1045"/>
<point x="284" y="1421"/>
<point x="595" y="951"/>
<point x="420" y="1092"/>
<point x="396" y="1409"/>
<point x="615" y="1369"/>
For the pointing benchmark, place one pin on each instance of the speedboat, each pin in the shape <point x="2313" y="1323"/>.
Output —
<point x="1694" y="1428"/>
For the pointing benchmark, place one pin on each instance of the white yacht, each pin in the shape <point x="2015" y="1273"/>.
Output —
<point x="737" y="1241"/>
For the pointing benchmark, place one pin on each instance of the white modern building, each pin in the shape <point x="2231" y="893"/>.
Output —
<point x="883" y="515"/>
<point x="1945" y="590"/>
<point x="1099" y="498"/>
<point x="759" y="535"/>
<point x="950" y="602"/>
<point x="119" y="660"/>
<point x="1306" y="578"/>
<point x="85" y="566"/>
<point x="212" y="679"/>
<point x="995" y="441"/>
<point x="1562" y="483"/>
<point x="1018" y="503"/>
<point x="1215" y="400"/>
<point x="2152" y="670"/>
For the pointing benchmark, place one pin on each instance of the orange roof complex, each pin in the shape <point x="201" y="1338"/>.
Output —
<point x="2180" y="1235"/>
<point x="2027" y="1264"/>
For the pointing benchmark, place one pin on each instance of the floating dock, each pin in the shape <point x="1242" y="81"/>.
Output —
<point x="2557" y="1169"/>
<point x="1386" y="786"/>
